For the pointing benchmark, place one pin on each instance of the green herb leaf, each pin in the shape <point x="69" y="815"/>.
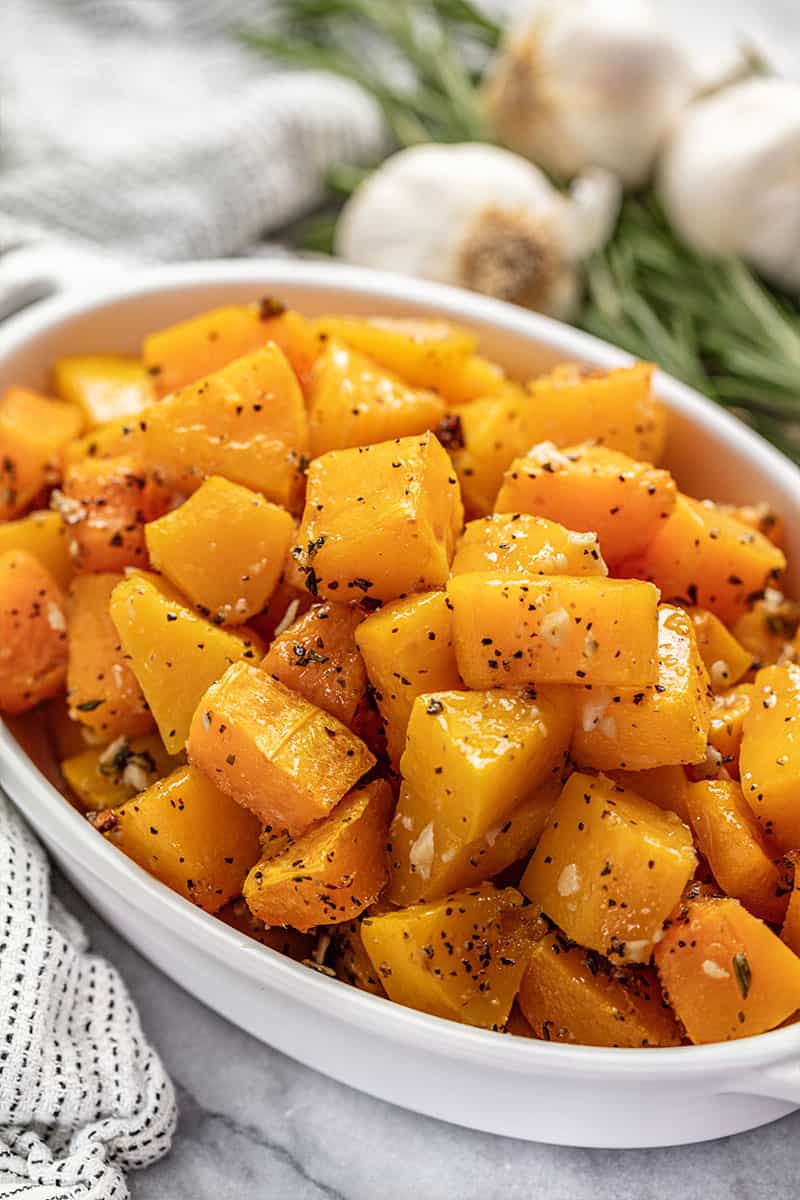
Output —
<point x="743" y="974"/>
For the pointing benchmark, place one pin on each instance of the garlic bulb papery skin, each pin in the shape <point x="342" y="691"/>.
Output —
<point x="729" y="177"/>
<point x="479" y="217"/>
<point x="580" y="83"/>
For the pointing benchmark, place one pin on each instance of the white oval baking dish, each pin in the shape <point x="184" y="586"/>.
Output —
<point x="580" y="1096"/>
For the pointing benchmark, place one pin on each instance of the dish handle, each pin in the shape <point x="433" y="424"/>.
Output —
<point x="780" y="1082"/>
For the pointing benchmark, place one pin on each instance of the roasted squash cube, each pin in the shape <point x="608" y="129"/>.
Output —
<point x="770" y="754"/>
<point x="174" y="653"/>
<point x="728" y="711"/>
<point x="471" y="757"/>
<point x="569" y="994"/>
<point x="273" y="751"/>
<point x="105" y="505"/>
<point x="102" y="691"/>
<point x="522" y="629"/>
<point x="333" y="871"/>
<point x="725" y="973"/>
<point x="447" y="958"/>
<point x="422" y="871"/>
<point x="591" y="489"/>
<point x="725" y="659"/>
<point x="317" y="656"/>
<point x="189" y="835"/>
<point x="379" y="521"/>
<point x="494" y="431"/>
<point x="732" y="842"/>
<point x="353" y="402"/>
<point x="702" y="557"/>
<point x="770" y="628"/>
<point x="663" y="723"/>
<point x="247" y="422"/>
<point x="407" y="649"/>
<point x="519" y="544"/>
<point x="610" y="867"/>
<point x="663" y="786"/>
<point x="33" y="431"/>
<point x="224" y="548"/>
<point x="108" y="776"/>
<point x="44" y="535"/>
<point x="105" y="387"/>
<point x="33" y="633"/>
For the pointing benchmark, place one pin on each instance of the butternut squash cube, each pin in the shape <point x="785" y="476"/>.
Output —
<point x="761" y="517"/>
<point x="661" y="724"/>
<point x="663" y="786"/>
<point x="44" y="535"/>
<point x="183" y="353"/>
<point x="422" y="871"/>
<point x="471" y="757"/>
<point x="105" y="387"/>
<point x="106" y="505"/>
<point x="407" y="647"/>
<point x="353" y="402"/>
<point x="102" y="690"/>
<point x="174" y="653"/>
<point x="273" y="751"/>
<point x="333" y="871"/>
<point x="726" y="974"/>
<point x="522" y="629"/>
<point x="767" y="629"/>
<point x="447" y="958"/>
<point x="189" y="835"/>
<point x="732" y="843"/>
<point x="728" y="711"/>
<point x="591" y="489"/>
<point x="33" y="431"/>
<point x="246" y="422"/>
<point x="616" y="409"/>
<point x="317" y="657"/>
<point x="33" y="633"/>
<point x="519" y="544"/>
<point x="108" y="776"/>
<point x="702" y="557"/>
<point x="224" y="548"/>
<point x="725" y="659"/>
<point x="379" y="521"/>
<point x="569" y="994"/>
<point x="494" y="431"/>
<point x="770" y="754"/>
<point x="610" y="867"/>
<point x="112" y="440"/>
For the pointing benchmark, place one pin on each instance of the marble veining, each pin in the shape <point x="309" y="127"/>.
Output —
<point x="254" y="1124"/>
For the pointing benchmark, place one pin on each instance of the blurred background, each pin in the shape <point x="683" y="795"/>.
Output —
<point x="627" y="165"/>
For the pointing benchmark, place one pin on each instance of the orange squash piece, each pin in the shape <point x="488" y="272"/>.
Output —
<point x="407" y="647"/>
<point x="108" y="776"/>
<point x="448" y="958"/>
<point x="725" y="659"/>
<point x="770" y="754"/>
<point x="273" y="751"/>
<point x="318" y="658"/>
<point x="104" y="387"/>
<point x="522" y="629"/>
<point x="725" y="973"/>
<point x="353" y="402"/>
<point x="661" y="724"/>
<point x="769" y="628"/>
<point x="732" y="843"/>
<point x="702" y="557"/>
<point x="790" y="933"/>
<point x="348" y="958"/>
<point x="569" y="994"/>
<point x="663" y="786"/>
<point x="33" y="431"/>
<point x="728" y="711"/>
<point x="332" y="872"/>
<point x="493" y="432"/>
<point x="515" y="543"/>
<point x="33" y="633"/>
<point x="379" y="521"/>
<point x="106" y="505"/>
<point x="189" y="835"/>
<point x="591" y="489"/>
<point x="224" y="548"/>
<point x="44" y="535"/>
<point x="609" y="867"/>
<point x="102" y="690"/>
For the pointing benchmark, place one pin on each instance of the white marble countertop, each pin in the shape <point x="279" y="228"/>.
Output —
<point x="254" y="1123"/>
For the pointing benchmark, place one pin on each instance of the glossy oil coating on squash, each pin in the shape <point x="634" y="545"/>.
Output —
<point x="246" y="630"/>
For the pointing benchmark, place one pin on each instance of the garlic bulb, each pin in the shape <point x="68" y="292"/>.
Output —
<point x="580" y="83"/>
<point x="479" y="217"/>
<point x="729" y="178"/>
